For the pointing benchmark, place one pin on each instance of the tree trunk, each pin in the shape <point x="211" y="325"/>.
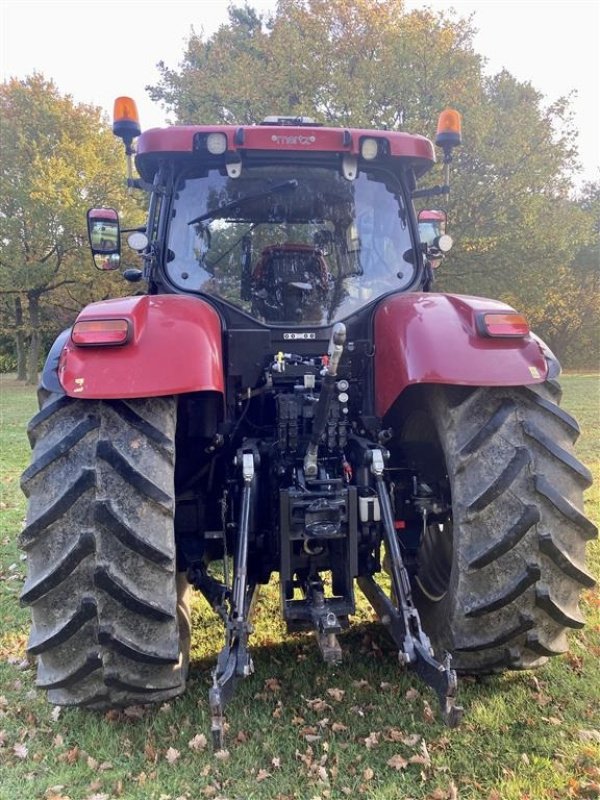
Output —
<point x="20" y="347"/>
<point x="34" y="344"/>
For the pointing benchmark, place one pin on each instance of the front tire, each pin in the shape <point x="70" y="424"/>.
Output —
<point x="108" y="627"/>
<point x="498" y="587"/>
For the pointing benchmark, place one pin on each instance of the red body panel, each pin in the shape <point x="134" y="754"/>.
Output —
<point x="175" y="347"/>
<point x="432" y="338"/>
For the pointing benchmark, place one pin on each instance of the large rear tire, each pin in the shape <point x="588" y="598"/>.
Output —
<point x="498" y="587"/>
<point x="110" y="617"/>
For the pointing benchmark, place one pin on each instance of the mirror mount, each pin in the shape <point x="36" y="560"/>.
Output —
<point x="432" y="191"/>
<point x="448" y="136"/>
<point x="126" y="125"/>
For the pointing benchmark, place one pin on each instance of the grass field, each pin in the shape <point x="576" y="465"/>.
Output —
<point x="298" y="730"/>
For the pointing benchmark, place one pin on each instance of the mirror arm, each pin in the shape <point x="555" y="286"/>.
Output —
<point x="139" y="183"/>
<point x="432" y="191"/>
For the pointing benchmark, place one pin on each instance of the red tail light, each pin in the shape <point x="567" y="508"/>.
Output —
<point x="509" y="324"/>
<point x="100" y="332"/>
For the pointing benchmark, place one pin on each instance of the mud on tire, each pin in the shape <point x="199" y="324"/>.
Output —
<point x="499" y="587"/>
<point x="101" y="553"/>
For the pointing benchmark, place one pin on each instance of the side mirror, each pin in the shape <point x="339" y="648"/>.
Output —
<point x="104" y="234"/>
<point x="432" y="225"/>
<point x="432" y="232"/>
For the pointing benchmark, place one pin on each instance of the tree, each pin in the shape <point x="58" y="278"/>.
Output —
<point x="357" y="63"/>
<point x="57" y="159"/>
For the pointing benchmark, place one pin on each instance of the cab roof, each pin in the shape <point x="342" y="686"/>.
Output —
<point x="417" y="150"/>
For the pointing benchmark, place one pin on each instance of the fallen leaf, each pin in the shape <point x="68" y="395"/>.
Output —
<point x="318" y="705"/>
<point x="276" y="762"/>
<point x="394" y="735"/>
<point x="262" y="775"/>
<point x="411" y="740"/>
<point x="222" y="755"/>
<point x="428" y="715"/>
<point x="55" y="713"/>
<point x="368" y="774"/>
<point x="338" y="727"/>
<point x="397" y="762"/>
<point x="337" y="694"/>
<point x="411" y="695"/>
<point x="273" y="685"/>
<point x="72" y="755"/>
<point x="589" y="735"/>
<point x="53" y="791"/>
<point x="172" y="755"/>
<point x="199" y="742"/>
<point x="92" y="763"/>
<point x="150" y="752"/>
<point x="372" y="740"/>
<point x="135" y="712"/>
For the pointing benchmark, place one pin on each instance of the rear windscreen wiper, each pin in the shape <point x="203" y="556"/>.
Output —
<point x="217" y="212"/>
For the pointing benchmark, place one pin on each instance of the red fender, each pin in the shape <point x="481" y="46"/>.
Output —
<point x="174" y="347"/>
<point x="434" y="338"/>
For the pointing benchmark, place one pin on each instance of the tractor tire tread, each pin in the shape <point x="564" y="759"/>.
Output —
<point x="519" y="531"/>
<point x="102" y="580"/>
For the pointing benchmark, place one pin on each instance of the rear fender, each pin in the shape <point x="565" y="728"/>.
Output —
<point x="174" y="347"/>
<point x="433" y="338"/>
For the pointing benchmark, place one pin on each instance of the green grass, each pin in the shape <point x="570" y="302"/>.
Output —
<point x="526" y="736"/>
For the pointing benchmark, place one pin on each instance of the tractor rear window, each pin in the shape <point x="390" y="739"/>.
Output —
<point x="291" y="246"/>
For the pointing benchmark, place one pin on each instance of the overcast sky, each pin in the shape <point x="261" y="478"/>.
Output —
<point x="98" y="50"/>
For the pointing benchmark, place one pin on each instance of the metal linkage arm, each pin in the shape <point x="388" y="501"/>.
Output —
<point x="234" y="660"/>
<point x="403" y="621"/>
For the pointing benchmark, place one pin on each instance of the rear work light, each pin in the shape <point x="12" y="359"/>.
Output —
<point x="371" y="148"/>
<point x="95" y="332"/>
<point x="216" y="143"/>
<point x="511" y="324"/>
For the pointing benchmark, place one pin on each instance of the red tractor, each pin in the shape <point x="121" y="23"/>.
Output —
<point x="287" y="395"/>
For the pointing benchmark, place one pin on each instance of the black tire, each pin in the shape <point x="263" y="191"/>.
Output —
<point x="110" y="622"/>
<point x="498" y="587"/>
